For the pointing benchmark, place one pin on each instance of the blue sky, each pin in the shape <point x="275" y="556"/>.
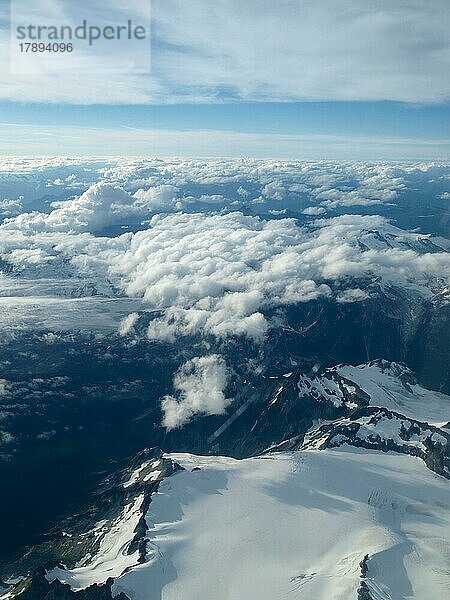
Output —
<point x="310" y="130"/>
<point x="337" y="118"/>
<point x="296" y="78"/>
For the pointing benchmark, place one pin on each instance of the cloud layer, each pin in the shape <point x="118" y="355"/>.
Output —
<point x="218" y="274"/>
<point x="198" y="259"/>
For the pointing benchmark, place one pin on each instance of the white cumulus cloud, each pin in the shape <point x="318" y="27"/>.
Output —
<point x="209" y="272"/>
<point x="100" y="206"/>
<point x="199" y="390"/>
<point x="127" y="324"/>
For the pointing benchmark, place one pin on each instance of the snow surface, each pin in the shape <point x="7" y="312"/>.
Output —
<point x="296" y="525"/>
<point x="293" y="524"/>
<point x="387" y="390"/>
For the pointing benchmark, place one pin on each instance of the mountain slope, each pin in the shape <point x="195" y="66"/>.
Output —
<point x="294" y="524"/>
<point x="346" y="511"/>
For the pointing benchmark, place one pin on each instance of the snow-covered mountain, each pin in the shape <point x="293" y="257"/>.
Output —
<point x="313" y="524"/>
<point x="355" y="505"/>
<point x="296" y="524"/>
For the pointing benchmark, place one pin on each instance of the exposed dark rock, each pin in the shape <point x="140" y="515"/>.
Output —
<point x="37" y="587"/>
<point x="363" y="565"/>
<point x="364" y="592"/>
<point x="434" y="448"/>
<point x="73" y="538"/>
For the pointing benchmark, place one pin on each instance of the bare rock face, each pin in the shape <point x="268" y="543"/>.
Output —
<point x="37" y="587"/>
<point x="363" y="592"/>
<point x="377" y="428"/>
<point x="80" y="536"/>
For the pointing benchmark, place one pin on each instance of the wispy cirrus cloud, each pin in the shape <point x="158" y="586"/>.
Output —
<point x="291" y="50"/>
<point x="36" y="140"/>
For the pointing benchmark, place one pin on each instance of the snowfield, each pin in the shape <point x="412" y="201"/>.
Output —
<point x="296" y="525"/>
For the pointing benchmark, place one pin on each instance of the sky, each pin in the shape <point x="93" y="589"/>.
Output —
<point x="287" y="79"/>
